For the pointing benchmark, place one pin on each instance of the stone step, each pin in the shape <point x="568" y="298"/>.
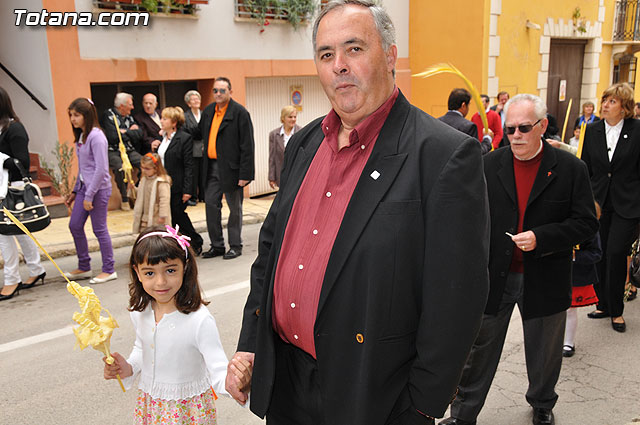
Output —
<point x="55" y="205"/>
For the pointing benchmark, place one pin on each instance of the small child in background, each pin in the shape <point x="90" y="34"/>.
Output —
<point x="585" y="258"/>
<point x="575" y="140"/>
<point x="177" y="353"/>
<point x="154" y="194"/>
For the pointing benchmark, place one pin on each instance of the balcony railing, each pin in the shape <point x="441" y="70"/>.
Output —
<point x="626" y="26"/>
<point x="263" y="11"/>
<point x="181" y="7"/>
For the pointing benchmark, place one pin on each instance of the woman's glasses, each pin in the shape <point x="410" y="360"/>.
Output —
<point x="524" y="128"/>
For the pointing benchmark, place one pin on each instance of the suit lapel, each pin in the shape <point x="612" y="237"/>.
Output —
<point x="624" y="142"/>
<point x="546" y="173"/>
<point x="600" y="142"/>
<point x="387" y="162"/>
<point x="505" y="174"/>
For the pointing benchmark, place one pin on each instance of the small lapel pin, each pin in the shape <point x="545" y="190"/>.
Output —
<point x="548" y="173"/>
<point x="625" y="136"/>
<point x="375" y="175"/>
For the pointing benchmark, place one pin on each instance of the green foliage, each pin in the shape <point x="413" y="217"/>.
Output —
<point x="61" y="179"/>
<point x="293" y="11"/>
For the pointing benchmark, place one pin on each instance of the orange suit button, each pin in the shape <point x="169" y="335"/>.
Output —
<point x="360" y="338"/>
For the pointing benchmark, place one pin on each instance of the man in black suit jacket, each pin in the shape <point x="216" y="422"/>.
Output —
<point x="149" y="121"/>
<point x="227" y="166"/>
<point x="541" y="207"/>
<point x="458" y="105"/>
<point x="396" y="313"/>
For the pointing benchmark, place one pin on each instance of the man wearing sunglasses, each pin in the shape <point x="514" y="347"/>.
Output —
<point x="227" y="132"/>
<point x="541" y="206"/>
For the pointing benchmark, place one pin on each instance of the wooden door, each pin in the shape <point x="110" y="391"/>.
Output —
<point x="565" y="70"/>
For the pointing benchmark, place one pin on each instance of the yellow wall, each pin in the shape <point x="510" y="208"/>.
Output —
<point x="519" y="62"/>
<point x="443" y="31"/>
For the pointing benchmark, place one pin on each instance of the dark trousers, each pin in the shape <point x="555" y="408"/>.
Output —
<point x="115" y="164"/>
<point x="617" y="235"/>
<point x="543" y="338"/>
<point x="180" y="217"/>
<point x="197" y="193"/>
<point x="296" y="397"/>
<point x="213" y="209"/>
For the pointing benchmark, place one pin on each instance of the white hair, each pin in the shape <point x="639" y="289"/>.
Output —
<point x="187" y="96"/>
<point x="121" y="98"/>
<point x="539" y="107"/>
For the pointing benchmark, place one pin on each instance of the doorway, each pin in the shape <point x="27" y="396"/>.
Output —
<point x="565" y="81"/>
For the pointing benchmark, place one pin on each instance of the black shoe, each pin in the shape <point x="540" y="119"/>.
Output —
<point x="568" y="350"/>
<point x="197" y="250"/>
<point x="191" y="203"/>
<point x="543" y="416"/>
<point x="595" y="314"/>
<point x="632" y="295"/>
<point x="213" y="252"/>
<point x="231" y="254"/>
<point x="32" y="284"/>
<point x="455" y="421"/>
<point x="9" y="296"/>
<point x="618" y="327"/>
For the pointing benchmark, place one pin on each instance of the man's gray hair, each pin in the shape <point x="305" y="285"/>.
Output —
<point x="121" y="99"/>
<point x="383" y="22"/>
<point x="539" y="107"/>
<point x="187" y="96"/>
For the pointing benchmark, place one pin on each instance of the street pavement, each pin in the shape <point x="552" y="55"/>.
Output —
<point x="43" y="380"/>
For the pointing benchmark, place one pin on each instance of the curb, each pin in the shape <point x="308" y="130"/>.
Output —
<point x="119" y="240"/>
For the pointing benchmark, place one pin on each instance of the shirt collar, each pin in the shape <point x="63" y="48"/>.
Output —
<point x="221" y="110"/>
<point x="362" y="133"/>
<point x="617" y="127"/>
<point x="293" y="130"/>
<point x="456" y="112"/>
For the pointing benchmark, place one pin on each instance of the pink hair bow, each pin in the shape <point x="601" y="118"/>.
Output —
<point x="182" y="240"/>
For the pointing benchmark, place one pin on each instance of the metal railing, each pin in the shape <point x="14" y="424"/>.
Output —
<point x="270" y="9"/>
<point x="626" y="26"/>
<point x="182" y="7"/>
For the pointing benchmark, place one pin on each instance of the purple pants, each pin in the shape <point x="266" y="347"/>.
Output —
<point x="99" y="223"/>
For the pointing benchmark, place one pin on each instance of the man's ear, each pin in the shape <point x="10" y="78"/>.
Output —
<point x="392" y="57"/>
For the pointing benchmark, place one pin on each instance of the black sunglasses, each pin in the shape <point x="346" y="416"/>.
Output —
<point x="221" y="91"/>
<point x="523" y="128"/>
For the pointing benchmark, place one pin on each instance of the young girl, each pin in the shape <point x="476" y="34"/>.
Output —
<point x="585" y="276"/>
<point x="154" y="194"/>
<point x="177" y="352"/>
<point x="91" y="192"/>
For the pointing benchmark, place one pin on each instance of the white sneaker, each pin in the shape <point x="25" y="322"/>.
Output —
<point x="112" y="276"/>
<point x="78" y="276"/>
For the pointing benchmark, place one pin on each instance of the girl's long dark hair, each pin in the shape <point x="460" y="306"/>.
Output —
<point x="84" y="107"/>
<point x="6" y="109"/>
<point x="159" y="249"/>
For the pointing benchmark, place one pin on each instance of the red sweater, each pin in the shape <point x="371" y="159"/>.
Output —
<point x="525" y="174"/>
<point x="495" y="125"/>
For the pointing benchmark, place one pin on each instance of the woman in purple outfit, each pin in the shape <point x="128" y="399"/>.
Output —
<point x="91" y="192"/>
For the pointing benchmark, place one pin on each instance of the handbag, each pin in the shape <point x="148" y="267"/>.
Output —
<point x="634" y="267"/>
<point x="26" y="204"/>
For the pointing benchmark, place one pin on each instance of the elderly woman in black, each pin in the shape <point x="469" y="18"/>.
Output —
<point x="612" y="154"/>
<point x="14" y="145"/>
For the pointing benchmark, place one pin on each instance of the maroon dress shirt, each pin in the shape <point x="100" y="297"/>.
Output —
<point x="315" y="219"/>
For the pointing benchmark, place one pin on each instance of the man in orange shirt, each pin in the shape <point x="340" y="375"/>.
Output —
<point x="227" y="132"/>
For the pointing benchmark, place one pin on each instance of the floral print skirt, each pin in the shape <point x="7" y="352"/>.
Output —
<point x="200" y="409"/>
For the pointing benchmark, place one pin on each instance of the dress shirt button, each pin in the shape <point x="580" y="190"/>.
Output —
<point x="295" y="336"/>
<point x="300" y="266"/>
<point x="328" y="194"/>
<point x="360" y="338"/>
<point x="293" y="305"/>
<point x="609" y="174"/>
<point x="503" y="274"/>
<point x="315" y="231"/>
